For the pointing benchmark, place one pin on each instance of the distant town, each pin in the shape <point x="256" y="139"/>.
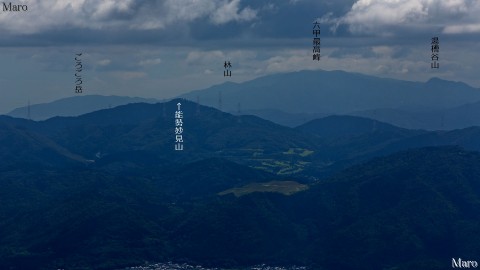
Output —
<point x="184" y="266"/>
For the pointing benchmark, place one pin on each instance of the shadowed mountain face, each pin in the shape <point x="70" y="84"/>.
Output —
<point x="101" y="219"/>
<point x="414" y="204"/>
<point x="405" y="211"/>
<point x="348" y="140"/>
<point x="150" y="127"/>
<point x="142" y="135"/>
<point x="148" y="131"/>
<point x="348" y="137"/>
<point x="20" y="147"/>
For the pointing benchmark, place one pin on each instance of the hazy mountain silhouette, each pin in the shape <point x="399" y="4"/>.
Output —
<point x="349" y="126"/>
<point x="454" y="118"/>
<point x="281" y="117"/>
<point x="74" y="106"/>
<point x="334" y="92"/>
<point x="295" y="98"/>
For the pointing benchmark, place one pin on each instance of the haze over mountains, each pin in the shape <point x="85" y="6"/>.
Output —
<point x="292" y="99"/>
<point x="439" y="119"/>
<point x="74" y="106"/>
<point x="335" y="92"/>
<point x="462" y="116"/>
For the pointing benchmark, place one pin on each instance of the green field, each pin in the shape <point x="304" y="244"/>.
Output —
<point x="299" y="151"/>
<point x="283" y="187"/>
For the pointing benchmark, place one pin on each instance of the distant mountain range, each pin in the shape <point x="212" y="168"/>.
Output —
<point x="339" y="126"/>
<point x="292" y="99"/>
<point x="334" y="92"/>
<point x="463" y="116"/>
<point x="281" y="117"/>
<point x="74" y="106"/>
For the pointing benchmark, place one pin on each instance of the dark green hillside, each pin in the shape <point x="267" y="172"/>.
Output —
<point x="348" y="140"/>
<point x="93" y="218"/>
<point x="126" y="137"/>
<point x="348" y="137"/>
<point x="140" y="200"/>
<point x="205" y="178"/>
<point x="150" y="127"/>
<point x="140" y="135"/>
<point x="412" y="210"/>
<point x="76" y="218"/>
<point x="21" y="147"/>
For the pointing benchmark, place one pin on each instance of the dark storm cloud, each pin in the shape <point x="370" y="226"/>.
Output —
<point x="164" y="22"/>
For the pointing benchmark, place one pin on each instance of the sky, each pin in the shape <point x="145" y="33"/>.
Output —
<point x="163" y="48"/>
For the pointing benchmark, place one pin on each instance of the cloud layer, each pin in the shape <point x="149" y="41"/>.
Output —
<point x="161" y="48"/>
<point x="385" y="17"/>
<point x="127" y="14"/>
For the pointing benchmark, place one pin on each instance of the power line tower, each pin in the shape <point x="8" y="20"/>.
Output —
<point x="239" y="112"/>
<point x="163" y="109"/>
<point x="220" y="100"/>
<point x="28" y="111"/>
<point x="443" y="120"/>
<point x="198" y="105"/>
